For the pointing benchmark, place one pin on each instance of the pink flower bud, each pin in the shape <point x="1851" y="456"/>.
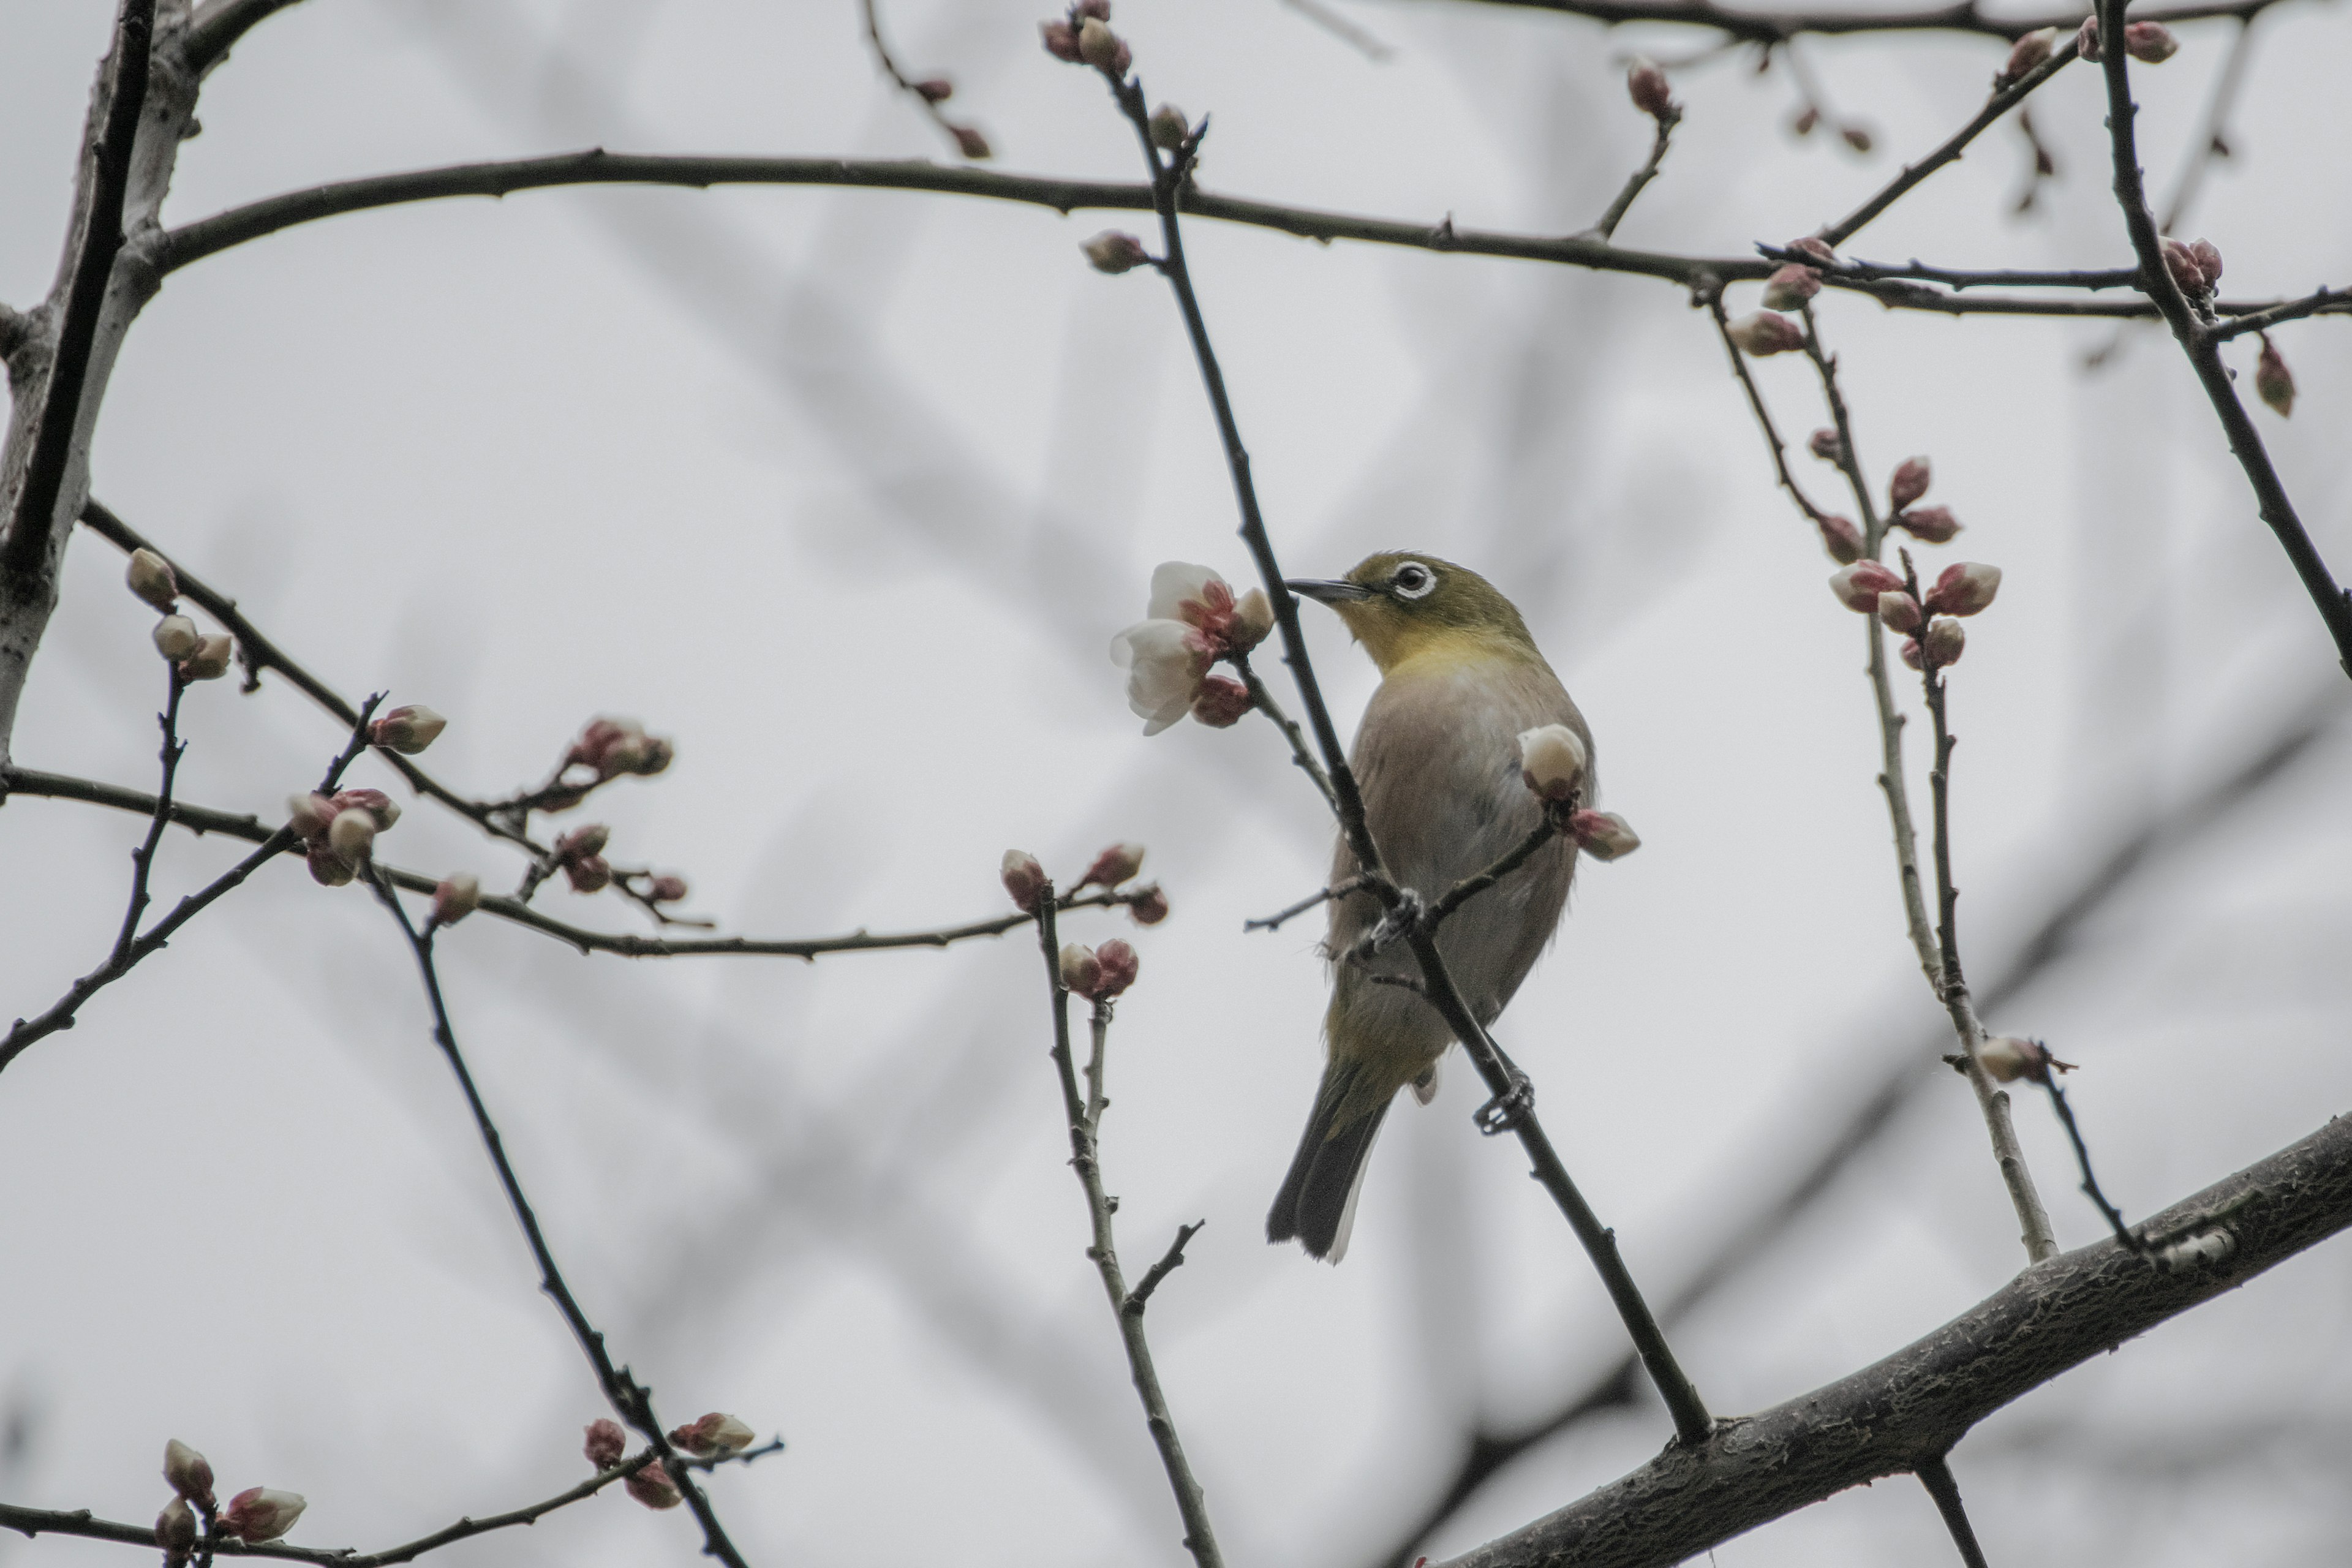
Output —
<point x="176" y="1531"/>
<point x="1117" y="864"/>
<point x="582" y="842"/>
<point x="2087" y="38"/>
<point x="971" y="143"/>
<point x="2274" y="382"/>
<point x="714" y="1437"/>
<point x="1841" y="538"/>
<point x="1117" y="963"/>
<point x="1603" y="835"/>
<point x="667" y="889"/>
<point x="308" y="814"/>
<point x="1061" y="40"/>
<point x="175" y="638"/>
<point x="1114" y="252"/>
<point x="1857" y="587"/>
<point x="2027" y="55"/>
<point x="935" y="90"/>
<point x="258" y="1514"/>
<point x="1857" y="138"/>
<point x="408" y="729"/>
<point x="2208" y="260"/>
<point x="1149" y="907"/>
<point x="1761" y="332"/>
<point x="1898" y="611"/>
<point x="374" y="802"/>
<point x="2150" y="43"/>
<point x="1930" y="524"/>
<point x="1222" y="702"/>
<point x="454" y="898"/>
<point x="1911" y="655"/>
<point x="1253" y="619"/>
<point x="1646" y="84"/>
<point x="1824" y="444"/>
<point x="1552" y="760"/>
<point x="652" y="1486"/>
<point x="328" y="868"/>
<point x="1098" y="9"/>
<point x="1024" y="879"/>
<point x="1081" y="970"/>
<point x="189" y="1472"/>
<point x="1909" y="483"/>
<point x="605" y="1443"/>
<point x="1790" y="286"/>
<point x="588" y="874"/>
<point x="211" y="658"/>
<point x="2181" y="261"/>
<point x="1169" y="127"/>
<point x="1102" y="48"/>
<point x="617" y="746"/>
<point x="1945" y="640"/>
<point x="150" y="577"/>
<point x="351" y="835"/>
<point x="1814" y="246"/>
<point x="1964" y="588"/>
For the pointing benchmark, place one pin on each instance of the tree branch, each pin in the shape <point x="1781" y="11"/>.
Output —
<point x="1936" y="1475"/>
<point x="1776" y="27"/>
<point x="217" y="26"/>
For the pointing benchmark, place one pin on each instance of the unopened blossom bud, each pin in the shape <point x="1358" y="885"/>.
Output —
<point x="1909" y="483"/>
<point x="1858" y="138"/>
<point x="408" y="729"/>
<point x="971" y="143"/>
<point x="667" y="889"/>
<point x="2087" y="38"/>
<point x="2026" y="56"/>
<point x="176" y="637"/>
<point x="1964" y="588"/>
<point x="176" y="1531"/>
<point x="350" y="834"/>
<point x="1911" y="656"/>
<point x="1024" y="879"/>
<point x="2150" y="43"/>
<point x="1149" y="906"/>
<point x="328" y="868"/>
<point x="1930" y="524"/>
<point x="1169" y="127"/>
<point x="582" y="842"/>
<point x="605" y="1443"/>
<point x="1761" y="332"/>
<point x="190" y="1473"/>
<point x="1117" y="864"/>
<point x="1081" y="970"/>
<point x="1646" y="84"/>
<point x="935" y="90"/>
<point x="1841" y="538"/>
<point x="2181" y="262"/>
<point x="1552" y="760"/>
<point x="308" y="814"/>
<point x="1945" y="640"/>
<point x="1790" y="286"/>
<point x="1115" y="252"/>
<point x="210" y="658"/>
<point x="454" y="898"/>
<point x="714" y="1437"/>
<point x="1801" y="123"/>
<point x="258" y="1514"/>
<point x="1603" y="835"/>
<point x="1858" y="586"/>
<point x="150" y="577"/>
<point x="1102" y="48"/>
<point x="1824" y="444"/>
<point x="588" y="874"/>
<point x="1118" y="964"/>
<point x="2274" y="382"/>
<point x="1061" y="40"/>
<point x="1222" y="702"/>
<point x="2209" y="262"/>
<point x="1814" y="246"/>
<point x="1898" y="611"/>
<point x="653" y="1486"/>
<point x="374" y="802"/>
<point x="1253" y="620"/>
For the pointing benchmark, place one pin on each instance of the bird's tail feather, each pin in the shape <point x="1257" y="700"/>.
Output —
<point x="1317" y="1205"/>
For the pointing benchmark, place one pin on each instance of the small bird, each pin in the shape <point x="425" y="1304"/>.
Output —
<point x="1437" y="759"/>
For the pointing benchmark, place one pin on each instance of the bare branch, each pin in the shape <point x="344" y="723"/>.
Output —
<point x="2328" y="302"/>
<point x="1776" y="27"/>
<point x="929" y="94"/>
<point x="1936" y="1475"/>
<point x="1312" y="902"/>
<point x="218" y="24"/>
<point x="142" y="858"/>
<point x="1606" y="228"/>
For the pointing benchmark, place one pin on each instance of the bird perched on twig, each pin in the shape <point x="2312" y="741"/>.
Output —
<point x="1438" y="760"/>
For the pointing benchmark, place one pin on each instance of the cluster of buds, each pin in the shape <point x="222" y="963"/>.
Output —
<point x="2274" y="382"/>
<point x="1928" y="524"/>
<point x="1933" y="637"/>
<point x="1645" y="84"/>
<point x="936" y="91"/>
<point x="2150" y="43"/>
<point x="714" y="1437"/>
<point x="338" y="831"/>
<point x="1115" y="251"/>
<point x="2196" y="267"/>
<point x="254" y="1515"/>
<point x="454" y="898"/>
<point x="1553" y="762"/>
<point x="2026" y="57"/>
<point x="616" y="746"/>
<point x="2006" y="1058"/>
<point x="408" y="729"/>
<point x="1098" y="974"/>
<point x="1083" y="36"/>
<point x="198" y="656"/>
<point x="1194" y="620"/>
<point x="1762" y="332"/>
<point x="1024" y="881"/>
<point x="579" y="856"/>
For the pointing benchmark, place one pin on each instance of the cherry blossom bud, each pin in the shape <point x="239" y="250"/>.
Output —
<point x="2087" y="38"/>
<point x="1169" y="127"/>
<point x="1149" y="907"/>
<point x="1081" y="970"/>
<point x="1909" y="483"/>
<point x="1898" y="611"/>
<point x="189" y="1472"/>
<point x="582" y="842"/>
<point x="1253" y="620"/>
<point x="308" y="814"/>
<point x="1552" y="760"/>
<point x="1061" y="40"/>
<point x="2150" y="43"/>
<point x="1857" y="138"/>
<point x="1117" y="864"/>
<point x="1114" y="252"/>
<point x="407" y="730"/>
<point x="454" y="898"/>
<point x="350" y="834"/>
<point x="2027" y="55"/>
<point x="210" y="659"/>
<point x="1646" y="84"/>
<point x="588" y="874"/>
<point x="1945" y="640"/>
<point x="1858" y="586"/>
<point x="667" y="889"/>
<point x="1117" y="963"/>
<point x="1841" y="538"/>
<point x="1824" y="444"/>
<point x="2182" y="263"/>
<point x="1814" y="246"/>
<point x="374" y="802"/>
<point x="1761" y="332"/>
<point x="176" y="637"/>
<point x="971" y="143"/>
<point x="1603" y="835"/>
<point x="1790" y="286"/>
<point x="1911" y="654"/>
<point x="1024" y="879"/>
<point x="2274" y="382"/>
<point x="652" y="1486"/>
<point x="2209" y="262"/>
<point x="935" y="90"/>
<point x="605" y="1443"/>
<point x="176" y="1531"/>
<point x="1222" y="702"/>
<point x="714" y="1437"/>
<point x="1964" y="588"/>
<point x="150" y="577"/>
<point x="328" y="868"/>
<point x="257" y="1514"/>
<point x="1930" y="524"/>
<point x="1102" y="48"/>
<point x="1801" y="123"/>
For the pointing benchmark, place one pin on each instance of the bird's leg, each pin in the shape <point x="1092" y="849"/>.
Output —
<point x="1402" y="919"/>
<point x="1508" y="1109"/>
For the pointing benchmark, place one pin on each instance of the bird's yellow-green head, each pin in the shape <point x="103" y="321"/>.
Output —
<point x="1402" y="604"/>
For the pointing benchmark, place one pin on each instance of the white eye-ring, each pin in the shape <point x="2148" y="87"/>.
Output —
<point x="1413" y="580"/>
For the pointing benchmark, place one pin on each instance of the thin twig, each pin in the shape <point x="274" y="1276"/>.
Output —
<point x="1777" y="447"/>
<point x="1300" y="752"/>
<point x="630" y="1399"/>
<point x="142" y="859"/>
<point x="2327" y="301"/>
<point x="2107" y="1211"/>
<point x="2089" y="278"/>
<point x="2212" y="140"/>
<point x="1169" y="1262"/>
<point x="931" y="94"/>
<point x="1082" y="1114"/>
<point x="1776" y="27"/>
<point x="1606" y="228"/>
<point x="1936" y="1475"/>
<point x="1312" y="900"/>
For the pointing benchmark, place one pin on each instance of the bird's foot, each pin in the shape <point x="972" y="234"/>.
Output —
<point x="1401" y="920"/>
<point x="1508" y="1109"/>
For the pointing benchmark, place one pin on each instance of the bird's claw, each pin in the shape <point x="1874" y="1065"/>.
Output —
<point x="1508" y="1109"/>
<point x="1401" y="920"/>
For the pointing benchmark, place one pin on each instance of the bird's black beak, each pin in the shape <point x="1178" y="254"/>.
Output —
<point x="1326" y="591"/>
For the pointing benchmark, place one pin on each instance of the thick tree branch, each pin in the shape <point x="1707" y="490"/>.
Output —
<point x="1776" y="27"/>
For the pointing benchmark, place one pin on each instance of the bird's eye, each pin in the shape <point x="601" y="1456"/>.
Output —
<point x="1413" y="580"/>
